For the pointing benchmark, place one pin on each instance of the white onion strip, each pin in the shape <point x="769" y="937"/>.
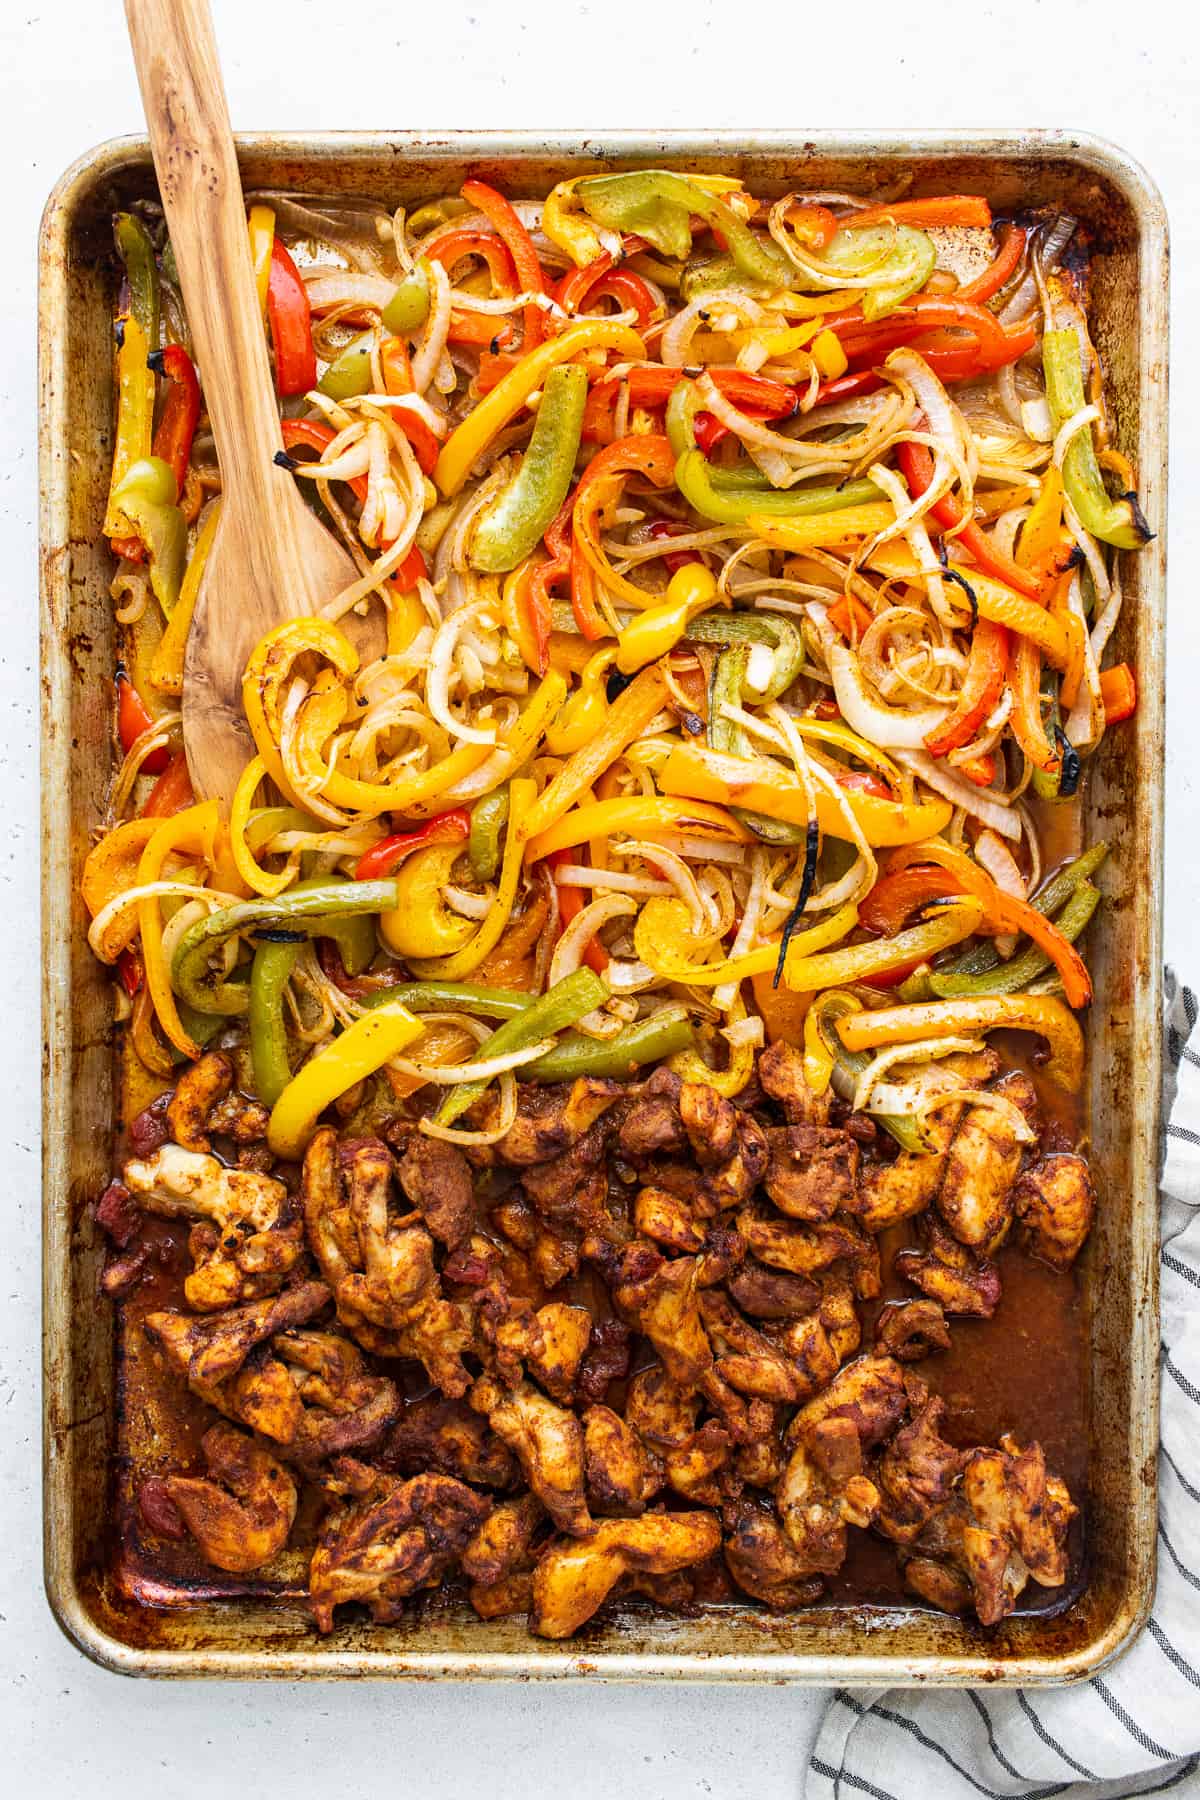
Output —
<point x="962" y="793"/>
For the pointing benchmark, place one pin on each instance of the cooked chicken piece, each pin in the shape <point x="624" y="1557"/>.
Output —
<point x="871" y="1392"/>
<point x="242" y="1513"/>
<point x="447" y="1436"/>
<point x="571" y="1189"/>
<point x="746" y="1359"/>
<point x="666" y="1220"/>
<point x="388" y="1291"/>
<point x="688" y="1458"/>
<point x="723" y="1254"/>
<point x="812" y="1171"/>
<point x="838" y="1313"/>
<point x="1009" y="1491"/>
<point x="512" y="1594"/>
<point x="313" y="1394"/>
<point x="207" y="1351"/>
<point x="710" y="1122"/>
<point x="552" y="1119"/>
<point x="916" y="1474"/>
<point x="572" y="1580"/>
<point x="606" y="1359"/>
<point x="811" y="1354"/>
<point x="942" y="1587"/>
<point x="652" y="1123"/>
<point x="980" y="1167"/>
<point x="823" y="1489"/>
<point x="553" y="1250"/>
<point x="889" y="1192"/>
<point x="400" y="1537"/>
<point x="547" y="1442"/>
<point x="659" y="1299"/>
<point x="806" y="1249"/>
<point x="615" y="1463"/>
<point x="204" y="1102"/>
<point x="558" y="1348"/>
<point x="733" y="1181"/>
<point x="501" y="1543"/>
<point x="1055" y="1204"/>
<point x="772" y="1294"/>
<point x="247" y="1243"/>
<point x="436" y="1179"/>
<point x="761" y="1464"/>
<point x="764" y="1564"/>
<point x="964" y="1284"/>
<point x="781" y="1072"/>
<point x="910" y="1330"/>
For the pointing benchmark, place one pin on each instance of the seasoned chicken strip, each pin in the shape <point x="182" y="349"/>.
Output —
<point x="981" y="1165"/>
<point x="242" y="1513"/>
<point x="1055" y="1205"/>
<point x="573" y="1579"/>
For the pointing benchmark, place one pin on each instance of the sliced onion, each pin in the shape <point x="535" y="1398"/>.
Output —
<point x="931" y="1050"/>
<point x="505" y="1119"/>
<point x="677" y="336"/>
<point x="99" y="929"/>
<point x="327" y="288"/>
<point x="437" y="682"/>
<point x="676" y="871"/>
<point x="995" y="856"/>
<point x="969" y="1096"/>
<point x="1070" y="428"/>
<point x="486" y="1069"/>
<point x="156" y="736"/>
<point x="430" y="350"/>
<point x="619" y="880"/>
<point x="962" y="793"/>
<point x="884" y="726"/>
<point x="748" y="1030"/>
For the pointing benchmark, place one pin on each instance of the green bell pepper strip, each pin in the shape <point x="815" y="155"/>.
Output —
<point x="568" y="1000"/>
<point x="1017" y="974"/>
<point x="349" y="374"/>
<point x="733" y="506"/>
<point x="137" y="253"/>
<point x="725" y="689"/>
<point x="325" y="908"/>
<point x="703" y="274"/>
<point x="273" y="964"/>
<point x="660" y="206"/>
<point x="454" y="996"/>
<point x="202" y="1028"/>
<point x="898" y="259"/>
<point x="663" y="1034"/>
<point x="849" y="1065"/>
<point x="682" y="406"/>
<point x="409" y="306"/>
<point x="488" y="817"/>
<point x="1119" y="522"/>
<point x="146" y="496"/>
<point x="1053" y="896"/>
<point x="530" y="501"/>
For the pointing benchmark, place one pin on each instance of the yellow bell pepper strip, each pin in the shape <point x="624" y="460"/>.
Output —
<point x="260" y="227"/>
<point x="166" y="668"/>
<point x="819" y="531"/>
<point x="828" y="355"/>
<point x="949" y="925"/>
<point x="487" y="935"/>
<point x="510" y="528"/>
<point x="1119" y="522"/>
<point x="328" y="907"/>
<point x="689" y="1065"/>
<point x="497" y="409"/>
<point x="652" y="1039"/>
<point x="146" y="496"/>
<point x="574" y="234"/>
<point x="192" y="832"/>
<point x="421" y="923"/>
<point x="659" y="205"/>
<point x="566" y="1002"/>
<point x="662" y="938"/>
<point x="995" y="1012"/>
<point x="586" y="709"/>
<point x="691" y="590"/>
<point x="639" y="815"/>
<point x="1041" y="534"/>
<point x="520" y="742"/>
<point x="762" y="787"/>
<point x="259" y="880"/>
<point x="819" y="1058"/>
<point x="627" y="718"/>
<point x="137" y="337"/>
<point x="994" y="600"/>
<point x="361" y="1050"/>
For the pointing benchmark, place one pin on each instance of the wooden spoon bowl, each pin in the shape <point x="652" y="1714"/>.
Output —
<point x="271" y="558"/>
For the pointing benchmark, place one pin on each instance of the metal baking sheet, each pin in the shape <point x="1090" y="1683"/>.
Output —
<point x="855" y="1646"/>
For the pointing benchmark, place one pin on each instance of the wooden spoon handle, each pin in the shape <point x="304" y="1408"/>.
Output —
<point x="188" y="117"/>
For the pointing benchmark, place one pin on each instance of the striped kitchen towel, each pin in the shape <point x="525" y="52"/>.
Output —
<point x="1136" y="1728"/>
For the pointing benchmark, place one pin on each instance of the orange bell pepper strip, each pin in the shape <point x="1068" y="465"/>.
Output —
<point x="999" y="270"/>
<point x="570" y="904"/>
<point x="1027" y="720"/>
<point x="993" y="1012"/>
<point x="916" y="465"/>
<point x="983" y="684"/>
<point x="506" y="222"/>
<point x="945" y="209"/>
<point x="192" y="832"/>
<point x="850" y="617"/>
<point x="1118" y="691"/>
<point x="600" y="484"/>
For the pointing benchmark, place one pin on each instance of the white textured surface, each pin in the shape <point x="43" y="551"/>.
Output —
<point x="66" y="83"/>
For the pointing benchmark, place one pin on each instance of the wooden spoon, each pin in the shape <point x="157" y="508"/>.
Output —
<point x="271" y="559"/>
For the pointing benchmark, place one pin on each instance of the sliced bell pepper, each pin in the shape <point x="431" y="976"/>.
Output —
<point x="358" y="1052"/>
<point x="645" y="454"/>
<point x="133" y="718"/>
<point x="166" y="667"/>
<point x="269" y="975"/>
<point x="507" y="223"/>
<point x="571" y="903"/>
<point x="659" y="206"/>
<point x="995" y="1012"/>
<point x="260" y="228"/>
<point x="349" y="374"/>
<point x="146" y="496"/>
<point x="467" y="958"/>
<point x="982" y="687"/>
<point x="1119" y="522"/>
<point x="628" y="716"/>
<point x="651" y="1040"/>
<point x="637" y="814"/>
<point x="488" y="818"/>
<point x="408" y="307"/>
<point x="181" y="409"/>
<point x="655" y="632"/>
<point x="916" y="465"/>
<point x="1118" y="692"/>
<point x="386" y="856"/>
<point x="664" y="940"/>
<point x="467" y="442"/>
<point x="290" y="318"/>
<point x="1003" y="265"/>
<point x="600" y="280"/>
<point x="943" y="209"/>
<point x="848" y="615"/>
<point x="525" y="508"/>
<point x="1020" y="970"/>
<point x="192" y="832"/>
<point x="567" y="1001"/>
<point x="171" y="792"/>
<point x="735" y="506"/>
<point x="421" y="924"/>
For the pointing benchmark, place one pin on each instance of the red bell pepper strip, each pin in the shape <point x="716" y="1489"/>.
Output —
<point x="130" y="970"/>
<point x="1118" y="691"/>
<point x="598" y="280"/>
<point x="674" y="559"/>
<point x="133" y="718"/>
<point x="570" y="904"/>
<point x="479" y="328"/>
<point x="890" y="902"/>
<point x="999" y="269"/>
<point x="171" y="792"/>
<point x="176" y="427"/>
<point x="652" y="387"/>
<point x="454" y="245"/>
<point x="501" y="215"/>
<point x="290" y="319"/>
<point x="945" y="209"/>
<point x="862" y="781"/>
<point x="638" y="454"/>
<point x="979" y="769"/>
<point x="382" y="858"/>
<point x="916" y="465"/>
<point x="983" y="684"/>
